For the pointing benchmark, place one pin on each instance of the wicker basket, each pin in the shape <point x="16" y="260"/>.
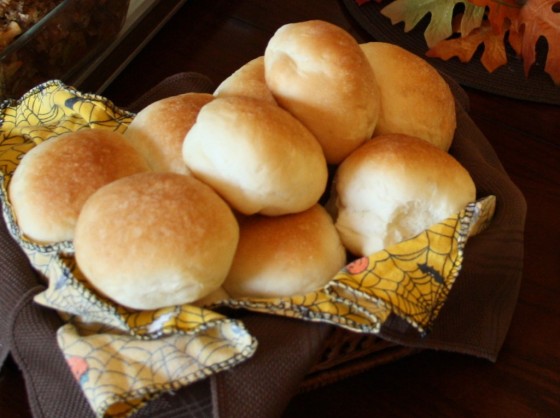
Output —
<point x="347" y="353"/>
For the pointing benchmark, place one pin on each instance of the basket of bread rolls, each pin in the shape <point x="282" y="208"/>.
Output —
<point x="346" y="235"/>
<point x="315" y="182"/>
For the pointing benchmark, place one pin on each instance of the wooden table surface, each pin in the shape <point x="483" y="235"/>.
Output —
<point x="215" y="38"/>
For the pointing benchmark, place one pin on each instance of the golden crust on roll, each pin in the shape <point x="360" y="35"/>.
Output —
<point x="285" y="255"/>
<point x="415" y="99"/>
<point x="158" y="130"/>
<point x="257" y="156"/>
<point x="55" y="178"/>
<point x="318" y="72"/>
<point x="247" y="81"/>
<point x="394" y="187"/>
<point x="155" y="239"/>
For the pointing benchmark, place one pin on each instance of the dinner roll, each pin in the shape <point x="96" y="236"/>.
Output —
<point x="318" y="72"/>
<point x="212" y="298"/>
<point x="247" y="81"/>
<point x="257" y="156"/>
<point x="155" y="239"/>
<point x="285" y="255"/>
<point x="415" y="99"/>
<point x="158" y="130"/>
<point x="394" y="187"/>
<point x="54" y="179"/>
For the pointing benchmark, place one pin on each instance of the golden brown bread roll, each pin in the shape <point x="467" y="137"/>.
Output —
<point x="257" y="156"/>
<point x="158" y="130"/>
<point x="394" y="187"/>
<point x="155" y="239"/>
<point x="212" y="298"/>
<point x="55" y="178"/>
<point x="318" y="72"/>
<point x="285" y="255"/>
<point x="247" y="81"/>
<point x="415" y="99"/>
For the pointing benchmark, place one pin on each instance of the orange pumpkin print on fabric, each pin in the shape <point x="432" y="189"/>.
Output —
<point x="79" y="368"/>
<point x="358" y="266"/>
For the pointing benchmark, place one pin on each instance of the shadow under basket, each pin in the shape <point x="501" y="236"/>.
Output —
<point x="347" y="353"/>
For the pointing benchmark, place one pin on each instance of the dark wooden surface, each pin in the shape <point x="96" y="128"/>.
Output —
<point x="215" y="38"/>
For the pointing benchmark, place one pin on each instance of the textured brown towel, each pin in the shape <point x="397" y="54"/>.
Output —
<point x="474" y="320"/>
<point x="477" y="314"/>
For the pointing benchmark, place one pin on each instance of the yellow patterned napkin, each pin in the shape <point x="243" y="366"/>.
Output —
<point x="121" y="358"/>
<point x="411" y="279"/>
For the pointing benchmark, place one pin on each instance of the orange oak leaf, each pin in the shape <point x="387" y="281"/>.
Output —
<point x="515" y="40"/>
<point x="464" y="47"/>
<point x="500" y="12"/>
<point x="536" y="19"/>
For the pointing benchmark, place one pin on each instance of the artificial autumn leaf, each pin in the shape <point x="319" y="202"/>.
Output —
<point x="515" y="40"/>
<point x="500" y="12"/>
<point x="411" y="12"/>
<point x="471" y="20"/>
<point x="539" y="18"/>
<point x="464" y="47"/>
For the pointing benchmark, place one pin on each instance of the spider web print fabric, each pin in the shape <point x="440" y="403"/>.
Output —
<point x="411" y="279"/>
<point x="122" y="359"/>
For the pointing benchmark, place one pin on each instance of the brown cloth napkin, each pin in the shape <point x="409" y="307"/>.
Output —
<point x="474" y="320"/>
